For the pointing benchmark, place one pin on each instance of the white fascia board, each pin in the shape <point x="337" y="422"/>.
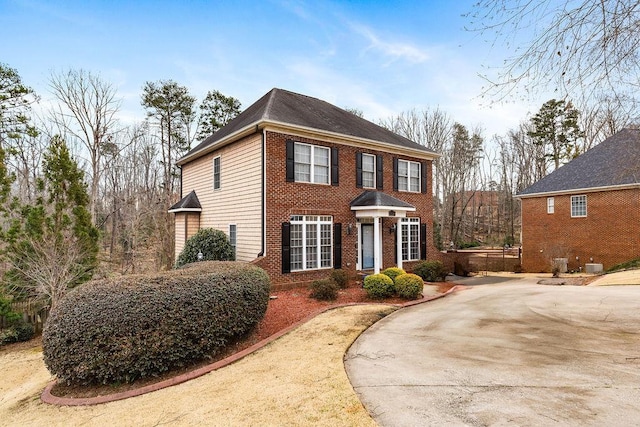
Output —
<point x="578" y="191"/>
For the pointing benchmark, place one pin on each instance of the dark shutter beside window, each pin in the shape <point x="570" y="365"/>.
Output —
<point x="423" y="176"/>
<point x="286" y="247"/>
<point x="423" y="240"/>
<point x="379" y="176"/>
<point x="395" y="173"/>
<point x="358" y="170"/>
<point x="335" y="172"/>
<point x="337" y="245"/>
<point x="290" y="162"/>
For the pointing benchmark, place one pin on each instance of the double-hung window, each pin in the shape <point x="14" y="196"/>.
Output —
<point x="368" y="171"/>
<point x="311" y="163"/>
<point x="410" y="238"/>
<point x="409" y="176"/>
<point x="216" y="173"/>
<point x="578" y="206"/>
<point x="551" y="205"/>
<point x="311" y="242"/>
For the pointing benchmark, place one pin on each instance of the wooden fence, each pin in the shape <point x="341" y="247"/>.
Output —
<point x="33" y="312"/>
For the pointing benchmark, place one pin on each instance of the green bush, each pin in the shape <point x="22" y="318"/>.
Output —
<point x="341" y="278"/>
<point x="213" y="244"/>
<point x="379" y="286"/>
<point x="393" y="272"/>
<point x="430" y="271"/>
<point x="18" y="331"/>
<point x="122" y="329"/>
<point x="324" y="290"/>
<point x="409" y="286"/>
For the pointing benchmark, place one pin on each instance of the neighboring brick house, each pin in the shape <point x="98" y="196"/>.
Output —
<point x="587" y="211"/>
<point x="301" y="186"/>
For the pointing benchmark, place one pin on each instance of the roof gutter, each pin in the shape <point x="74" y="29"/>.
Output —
<point x="578" y="190"/>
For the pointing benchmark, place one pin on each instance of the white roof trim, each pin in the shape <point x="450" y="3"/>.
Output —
<point x="578" y="191"/>
<point x="184" y="210"/>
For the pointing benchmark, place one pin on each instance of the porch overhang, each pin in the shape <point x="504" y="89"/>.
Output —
<point x="189" y="203"/>
<point x="376" y="204"/>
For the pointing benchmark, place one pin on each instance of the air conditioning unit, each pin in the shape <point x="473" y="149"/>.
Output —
<point x="562" y="264"/>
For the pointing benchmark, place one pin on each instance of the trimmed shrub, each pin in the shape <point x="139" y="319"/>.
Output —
<point x="341" y="278"/>
<point x="430" y="271"/>
<point x="18" y="331"/>
<point x="409" y="286"/>
<point x="324" y="290"/>
<point x="213" y="244"/>
<point x="378" y="286"/>
<point x="122" y="329"/>
<point x="393" y="272"/>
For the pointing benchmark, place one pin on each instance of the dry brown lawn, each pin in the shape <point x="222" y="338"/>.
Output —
<point x="298" y="379"/>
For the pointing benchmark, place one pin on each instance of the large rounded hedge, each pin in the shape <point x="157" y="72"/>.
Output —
<point x="132" y="327"/>
<point x="378" y="286"/>
<point x="213" y="244"/>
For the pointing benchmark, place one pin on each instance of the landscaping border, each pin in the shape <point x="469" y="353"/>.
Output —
<point x="49" y="398"/>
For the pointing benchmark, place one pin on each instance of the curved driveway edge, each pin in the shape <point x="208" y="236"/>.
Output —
<point x="516" y="353"/>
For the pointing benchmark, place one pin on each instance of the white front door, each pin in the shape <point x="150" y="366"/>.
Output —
<point x="368" y="252"/>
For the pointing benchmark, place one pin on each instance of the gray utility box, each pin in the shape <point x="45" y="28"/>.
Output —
<point x="562" y="264"/>
<point x="593" y="268"/>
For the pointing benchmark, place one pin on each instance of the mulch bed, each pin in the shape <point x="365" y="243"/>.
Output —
<point x="286" y="308"/>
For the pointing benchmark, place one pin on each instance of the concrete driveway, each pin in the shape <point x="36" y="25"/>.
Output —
<point x="515" y="353"/>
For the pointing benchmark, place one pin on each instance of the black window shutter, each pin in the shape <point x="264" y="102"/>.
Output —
<point x="395" y="173"/>
<point x="423" y="176"/>
<point x="423" y="240"/>
<point x="337" y="245"/>
<point x="286" y="247"/>
<point x="290" y="162"/>
<point x="358" y="170"/>
<point x="335" y="172"/>
<point x="379" y="176"/>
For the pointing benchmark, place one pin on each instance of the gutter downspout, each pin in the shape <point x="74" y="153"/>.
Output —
<point x="264" y="192"/>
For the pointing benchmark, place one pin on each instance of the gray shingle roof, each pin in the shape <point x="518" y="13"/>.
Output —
<point x="188" y="202"/>
<point x="372" y="198"/>
<point x="283" y="106"/>
<point x="613" y="162"/>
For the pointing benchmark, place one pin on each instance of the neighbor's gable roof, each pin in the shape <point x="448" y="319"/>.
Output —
<point x="282" y="107"/>
<point x="613" y="163"/>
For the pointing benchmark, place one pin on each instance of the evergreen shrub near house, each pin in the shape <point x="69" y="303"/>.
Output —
<point x="130" y="327"/>
<point x="324" y="290"/>
<point x="16" y="329"/>
<point x="409" y="286"/>
<point x="379" y="286"/>
<point x="213" y="244"/>
<point x="341" y="277"/>
<point x="393" y="272"/>
<point x="430" y="271"/>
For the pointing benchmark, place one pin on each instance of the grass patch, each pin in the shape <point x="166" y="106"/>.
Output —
<point x="627" y="265"/>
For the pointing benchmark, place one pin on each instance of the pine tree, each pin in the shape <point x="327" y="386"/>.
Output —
<point x="55" y="246"/>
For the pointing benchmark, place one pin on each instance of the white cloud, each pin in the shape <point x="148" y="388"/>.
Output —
<point x="393" y="50"/>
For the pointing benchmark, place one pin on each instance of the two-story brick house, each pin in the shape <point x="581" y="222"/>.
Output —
<point x="302" y="186"/>
<point x="587" y="211"/>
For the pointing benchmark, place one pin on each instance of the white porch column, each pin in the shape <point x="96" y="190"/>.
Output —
<point x="377" y="262"/>
<point x="399" y="242"/>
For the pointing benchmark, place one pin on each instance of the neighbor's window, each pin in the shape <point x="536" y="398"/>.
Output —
<point x="311" y="163"/>
<point x="233" y="237"/>
<point x="408" y="176"/>
<point x="216" y="173"/>
<point x="368" y="171"/>
<point x="550" y="205"/>
<point x="578" y="206"/>
<point x="311" y="242"/>
<point x="410" y="235"/>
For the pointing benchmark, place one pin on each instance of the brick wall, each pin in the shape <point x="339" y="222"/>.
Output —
<point x="610" y="233"/>
<point x="288" y="198"/>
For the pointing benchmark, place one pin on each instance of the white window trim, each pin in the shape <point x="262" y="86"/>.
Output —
<point x="312" y="175"/>
<point x="551" y="205"/>
<point x="320" y="220"/>
<point x="585" y="206"/>
<point x="408" y="176"/>
<point x="373" y="184"/>
<point x="219" y="158"/>
<point x="406" y="223"/>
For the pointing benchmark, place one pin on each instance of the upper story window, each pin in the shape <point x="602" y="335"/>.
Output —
<point x="311" y="163"/>
<point x="216" y="173"/>
<point x="551" y="205"/>
<point x="409" y="176"/>
<point x="368" y="171"/>
<point x="578" y="206"/>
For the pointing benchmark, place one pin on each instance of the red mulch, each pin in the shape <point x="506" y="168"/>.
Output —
<point x="286" y="308"/>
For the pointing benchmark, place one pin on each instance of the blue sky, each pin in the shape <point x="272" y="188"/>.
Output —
<point x="380" y="57"/>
